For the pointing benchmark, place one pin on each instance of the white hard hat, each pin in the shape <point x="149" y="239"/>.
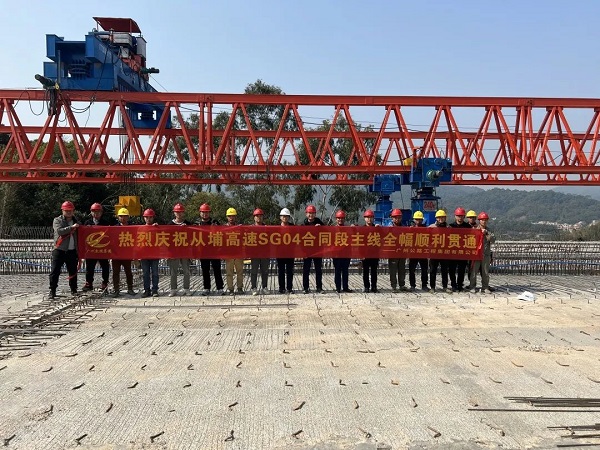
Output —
<point x="285" y="212"/>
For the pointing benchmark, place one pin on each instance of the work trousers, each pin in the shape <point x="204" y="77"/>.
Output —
<point x="205" y="264"/>
<point x="341" y="268"/>
<point x="116" y="268"/>
<point x="263" y="265"/>
<point x="318" y="273"/>
<point x="150" y="273"/>
<point x="433" y="265"/>
<point x="238" y="266"/>
<point x="412" y="268"/>
<point x="174" y="265"/>
<point x="397" y="272"/>
<point x="484" y="266"/>
<point x="90" y="267"/>
<point x="285" y="274"/>
<point x="60" y="257"/>
<point x="370" y="268"/>
<point x="457" y="269"/>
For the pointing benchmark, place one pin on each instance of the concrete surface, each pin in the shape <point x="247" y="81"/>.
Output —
<point x="317" y="371"/>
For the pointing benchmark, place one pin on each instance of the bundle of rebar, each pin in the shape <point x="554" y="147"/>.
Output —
<point x="549" y="402"/>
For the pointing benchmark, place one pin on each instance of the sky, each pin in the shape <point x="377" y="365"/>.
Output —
<point x="466" y="48"/>
<point x="434" y="48"/>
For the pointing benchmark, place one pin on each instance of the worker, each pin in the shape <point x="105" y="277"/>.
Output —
<point x="472" y="218"/>
<point x="397" y="266"/>
<point x="122" y="220"/>
<point x="236" y="264"/>
<point x="96" y="211"/>
<point x="312" y="220"/>
<point x="488" y="239"/>
<point x="440" y="222"/>
<point x="65" y="248"/>
<point x="176" y="263"/>
<point x="205" y="264"/>
<point x="370" y="265"/>
<point x="259" y="263"/>
<point x="150" y="266"/>
<point x="472" y="221"/>
<point x="341" y="266"/>
<point x="285" y="266"/>
<point x="458" y="267"/>
<point x="421" y="262"/>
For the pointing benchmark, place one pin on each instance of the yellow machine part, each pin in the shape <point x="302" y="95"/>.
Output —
<point x="132" y="203"/>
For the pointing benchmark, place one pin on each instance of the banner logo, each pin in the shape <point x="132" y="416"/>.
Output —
<point x="98" y="240"/>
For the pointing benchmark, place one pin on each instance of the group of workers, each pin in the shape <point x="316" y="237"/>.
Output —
<point x="65" y="253"/>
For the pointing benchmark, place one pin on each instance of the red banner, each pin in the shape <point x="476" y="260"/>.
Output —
<point x="243" y="241"/>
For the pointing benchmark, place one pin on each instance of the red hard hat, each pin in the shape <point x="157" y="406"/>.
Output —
<point x="340" y="214"/>
<point x="311" y="209"/>
<point x="395" y="213"/>
<point x="68" y="206"/>
<point x="369" y="213"/>
<point x="178" y="208"/>
<point x="460" y="211"/>
<point x="483" y="215"/>
<point x="204" y="207"/>
<point x="149" y="213"/>
<point x="258" y="212"/>
<point x="96" y="207"/>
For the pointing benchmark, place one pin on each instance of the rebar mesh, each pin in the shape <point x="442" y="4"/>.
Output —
<point x="514" y="257"/>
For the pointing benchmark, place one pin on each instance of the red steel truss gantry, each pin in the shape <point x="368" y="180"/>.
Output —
<point x="498" y="141"/>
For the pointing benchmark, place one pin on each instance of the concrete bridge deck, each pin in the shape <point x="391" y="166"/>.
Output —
<point x="317" y="371"/>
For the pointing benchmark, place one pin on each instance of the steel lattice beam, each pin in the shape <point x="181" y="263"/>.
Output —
<point x="500" y="141"/>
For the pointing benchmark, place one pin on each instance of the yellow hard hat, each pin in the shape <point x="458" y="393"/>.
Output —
<point x="123" y="212"/>
<point x="231" y="212"/>
<point x="440" y="213"/>
<point x="418" y="215"/>
<point x="471" y="213"/>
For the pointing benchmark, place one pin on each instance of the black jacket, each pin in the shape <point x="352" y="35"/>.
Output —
<point x="103" y="221"/>
<point x="317" y="221"/>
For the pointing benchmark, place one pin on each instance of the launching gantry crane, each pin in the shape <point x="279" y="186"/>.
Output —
<point x="110" y="59"/>
<point x="501" y="141"/>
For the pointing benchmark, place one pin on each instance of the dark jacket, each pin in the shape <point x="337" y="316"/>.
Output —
<point x="185" y="222"/>
<point x="208" y="222"/>
<point x="462" y="225"/>
<point x="102" y="221"/>
<point x="317" y="221"/>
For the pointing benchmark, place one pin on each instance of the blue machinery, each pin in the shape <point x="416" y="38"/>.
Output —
<point x="425" y="175"/>
<point x="110" y="60"/>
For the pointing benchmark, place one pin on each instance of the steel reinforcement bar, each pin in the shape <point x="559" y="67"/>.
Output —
<point x="518" y="257"/>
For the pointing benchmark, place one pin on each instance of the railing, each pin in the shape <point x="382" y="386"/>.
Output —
<point x="21" y="256"/>
<point x="547" y="258"/>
